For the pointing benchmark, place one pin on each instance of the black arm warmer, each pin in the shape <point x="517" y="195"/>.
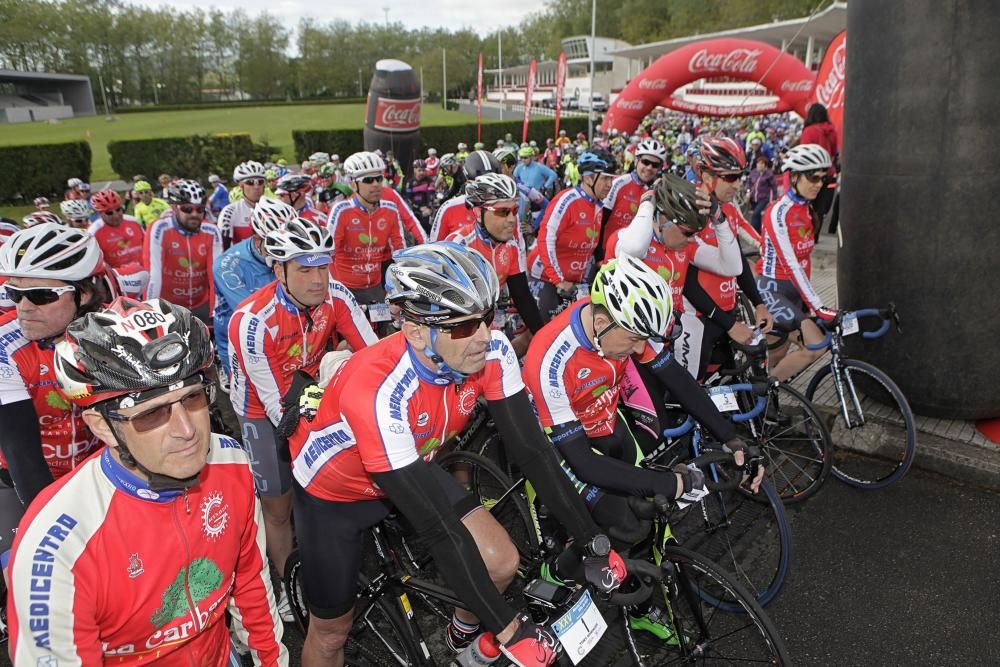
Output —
<point x="22" y="448"/>
<point x="701" y="300"/>
<point x="692" y="397"/>
<point x="416" y="493"/>
<point x="527" y="307"/>
<point x="748" y="284"/>
<point x="603" y="241"/>
<point x="608" y="472"/>
<point x="528" y="448"/>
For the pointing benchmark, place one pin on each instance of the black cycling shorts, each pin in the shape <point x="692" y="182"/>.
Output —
<point x="331" y="538"/>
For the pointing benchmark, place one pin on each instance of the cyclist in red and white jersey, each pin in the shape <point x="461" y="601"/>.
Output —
<point x="234" y="220"/>
<point x="784" y="264"/>
<point x="294" y="189"/>
<point x="622" y="201"/>
<point x="380" y="422"/>
<point x="454" y="214"/>
<point x="571" y="230"/>
<point x="136" y="557"/>
<point x="76" y="212"/>
<point x="179" y="250"/>
<point x="120" y="236"/>
<point x="495" y="235"/>
<point x="7" y="229"/>
<point x="53" y="276"/>
<point x="281" y="329"/>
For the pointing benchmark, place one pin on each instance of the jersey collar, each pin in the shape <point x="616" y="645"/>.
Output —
<point x="796" y="198"/>
<point x="134" y="486"/>
<point x="576" y="325"/>
<point x="583" y="194"/>
<point x="424" y="373"/>
<point x="285" y="301"/>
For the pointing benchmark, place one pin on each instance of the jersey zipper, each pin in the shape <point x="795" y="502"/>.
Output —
<point x="187" y="240"/>
<point x="187" y="569"/>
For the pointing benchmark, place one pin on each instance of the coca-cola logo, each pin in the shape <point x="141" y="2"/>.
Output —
<point x="735" y="61"/>
<point x="397" y="115"/>
<point x="628" y="105"/>
<point x="653" y="84"/>
<point x="803" y="86"/>
<point x="830" y="91"/>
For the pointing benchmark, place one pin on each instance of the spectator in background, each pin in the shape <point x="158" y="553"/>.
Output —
<point x="164" y="181"/>
<point x="819" y="130"/>
<point x="148" y="208"/>
<point x="419" y="192"/>
<point x="220" y="195"/>
<point x="763" y="189"/>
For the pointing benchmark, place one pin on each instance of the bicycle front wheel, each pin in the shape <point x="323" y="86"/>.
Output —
<point x="683" y="627"/>
<point x="875" y="445"/>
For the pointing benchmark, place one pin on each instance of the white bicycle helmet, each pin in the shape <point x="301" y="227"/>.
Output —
<point x="806" y="157"/>
<point x="432" y="151"/>
<point x="185" y="191"/>
<point x="636" y="297"/>
<point x="363" y="164"/>
<point x="51" y="250"/>
<point x="39" y="218"/>
<point x="75" y="209"/>
<point x="437" y="281"/>
<point x="74" y="183"/>
<point x="270" y="215"/>
<point x="489" y="188"/>
<point x="248" y="169"/>
<point x="297" y="239"/>
<point x="319" y="158"/>
<point x="653" y="148"/>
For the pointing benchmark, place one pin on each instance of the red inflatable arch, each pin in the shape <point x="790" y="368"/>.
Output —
<point x="783" y="74"/>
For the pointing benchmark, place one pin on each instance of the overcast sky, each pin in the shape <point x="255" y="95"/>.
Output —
<point x="453" y="14"/>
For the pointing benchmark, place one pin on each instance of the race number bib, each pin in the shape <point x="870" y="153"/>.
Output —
<point x="580" y="628"/>
<point x="379" y="312"/>
<point x="850" y="324"/>
<point x="724" y="399"/>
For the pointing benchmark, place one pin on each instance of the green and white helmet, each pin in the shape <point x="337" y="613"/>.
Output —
<point x="636" y="297"/>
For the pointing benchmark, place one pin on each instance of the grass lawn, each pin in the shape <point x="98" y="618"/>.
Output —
<point x="272" y="123"/>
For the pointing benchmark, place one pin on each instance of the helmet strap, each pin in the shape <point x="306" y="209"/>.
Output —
<point x="444" y="369"/>
<point x="486" y="230"/>
<point x="157" y="481"/>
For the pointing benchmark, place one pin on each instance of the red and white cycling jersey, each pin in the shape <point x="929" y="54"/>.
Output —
<point x="623" y="201"/>
<point x="121" y="245"/>
<point x="568" y="379"/>
<point x="106" y="571"/>
<point x="234" y="221"/>
<point x="410" y="221"/>
<point x="787" y="244"/>
<point x="568" y="235"/>
<point x="313" y="215"/>
<point x="363" y="240"/>
<point x="28" y="372"/>
<point x="722" y="289"/>
<point x="180" y="262"/>
<point x="384" y="409"/>
<point x="672" y="265"/>
<point x="507" y="258"/>
<point x="270" y="338"/>
<point x="452" y="216"/>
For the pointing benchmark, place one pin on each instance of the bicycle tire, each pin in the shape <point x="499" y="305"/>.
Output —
<point x="878" y="459"/>
<point x="749" y="539"/>
<point x="699" y="632"/>
<point x="796" y="443"/>
<point x="369" y="642"/>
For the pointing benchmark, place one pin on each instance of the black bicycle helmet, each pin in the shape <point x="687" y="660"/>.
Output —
<point x="479" y="163"/>
<point x="675" y="198"/>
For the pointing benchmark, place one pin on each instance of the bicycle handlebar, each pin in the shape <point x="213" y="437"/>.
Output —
<point x="887" y="315"/>
<point x="641" y="570"/>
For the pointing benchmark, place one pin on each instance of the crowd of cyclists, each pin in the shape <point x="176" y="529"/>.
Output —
<point x="194" y="381"/>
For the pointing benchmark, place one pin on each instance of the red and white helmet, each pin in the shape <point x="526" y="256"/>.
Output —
<point x="105" y="200"/>
<point x="721" y="154"/>
<point x="39" y="218"/>
<point x="270" y="215"/>
<point x="53" y="251"/>
<point x="132" y="280"/>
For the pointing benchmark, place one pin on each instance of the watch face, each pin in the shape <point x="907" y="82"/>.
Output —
<point x="600" y="545"/>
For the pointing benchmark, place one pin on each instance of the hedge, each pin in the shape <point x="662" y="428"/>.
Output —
<point x="443" y="137"/>
<point x="191" y="157"/>
<point x="37" y="170"/>
<point x="149" y="108"/>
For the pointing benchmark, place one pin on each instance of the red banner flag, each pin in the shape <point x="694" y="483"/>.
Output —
<point x="528" y="91"/>
<point x="830" y="81"/>
<point x="479" y="101"/>
<point x="560" y="82"/>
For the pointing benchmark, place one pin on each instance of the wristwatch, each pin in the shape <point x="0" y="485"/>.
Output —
<point x="600" y="545"/>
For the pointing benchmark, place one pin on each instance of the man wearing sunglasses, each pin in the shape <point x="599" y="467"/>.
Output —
<point x="571" y="229"/>
<point x="136" y="556"/>
<point x="53" y="276"/>
<point x="784" y="263"/>
<point x="380" y="422"/>
<point x="622" y="201"/>
<point x="284" y="328"/>
<point x="710" y="309"/>
<point x="179" y="250"/>
<point x="234" y="220"/>
<point x="494" y="199"/>
<point x="120" y="236"/>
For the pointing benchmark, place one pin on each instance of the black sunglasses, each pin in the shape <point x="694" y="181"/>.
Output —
<point x="154" y="418"/>
<point x="814" y="176"/>
<point x="40" y="296"/>
<point x="467" y="328"/>
<point x="650" y="163"/>
<point x="730" y="178"/>
<point x="188" y="210"/>
<point x="368" y="180"/>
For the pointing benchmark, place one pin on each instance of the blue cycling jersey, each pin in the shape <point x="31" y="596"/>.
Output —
<point x="238" y="273"/>
<point x="535" y="175"/>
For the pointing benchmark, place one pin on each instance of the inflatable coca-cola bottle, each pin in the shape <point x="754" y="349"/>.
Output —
<point x="392" y="119"/>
